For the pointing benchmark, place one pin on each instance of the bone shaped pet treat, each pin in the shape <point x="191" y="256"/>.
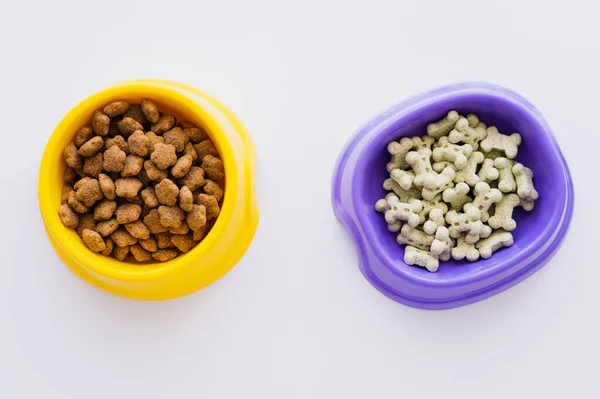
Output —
<point x="524" y="178"/>
<point x="439" y="166"/>
<point x="404" y="195"/>
<point x="498" y="239"/>
<point x="488" y="173"/>
<point x="471" y="238"/>
<point x="443" y="126"/>
<point x="469" y="173"/>
<point x="504" y="210"/>
<point x="402" y="211"/>
<point x="464" y="250"/>
<point x="458" y="196"/>
<point x="434" y="183"/>
<point x="457" y="154"/>
<point x="420" y="161"/>
<point x="436" y="220"/>
<point x="527" y="204"/>
<point x="423" y="142"/>
<point x="414" y="237"/>
<point x="506" y="181"/>
<point x="403" y="178"/>
<point x="415" y="256"/>
<point x="498" y="141"/>
<point x="468" y="222"/>
<point x="429" y="206"/>
<point x="442" y="244"/>
<point x="485" y="196"/>
<point x="465" y="133"/>
<point x="398" y="151"/>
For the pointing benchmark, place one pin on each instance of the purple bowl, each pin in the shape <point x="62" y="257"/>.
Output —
<point x="360" y="172"/>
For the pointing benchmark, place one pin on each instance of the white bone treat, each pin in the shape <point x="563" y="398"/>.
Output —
<point x="443" y="126"/>
<point x="498" y="141"/>
<point x="436" y="220"/>
<point x="423" y="142"/>
<point x="420" y="161"/>
<point x="485" y="197"/>
<point x="435" y="183"/>
<point x="383" y="206"/>
<point x="458" y="196"/>
<point x="414" y="237"/>
<point x="439" y="166"/>
<point x="398" y="151"/>
<point x="442" y="244"/>
<point x="457" y="154"/>
<point x="403" y="212"/>
<point x="502" y="219"/>
<point x="493" y="154"/>
<point x="415" y="256"/>
<point x="464" y="250"/>
<point x="506" y="181"/>
<point x="429" y="206"/>
<point x="488" y="173"/>
<point x="527" y="204"/>
<point x="471" y="238"/>
<point x="468" y="222"/>
<point x="404" y="195"/>
<point x="524" y="178"/>
<point x="468" y="174"/>
<point x="498" y="239"/>
<point x="463" y="132"/>
<point x="473" y="120"/>
<point x="403" y="177"/>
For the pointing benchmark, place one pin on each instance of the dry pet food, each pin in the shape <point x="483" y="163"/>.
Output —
<point x="142" y="186"/>
<point x="452" y="193"/>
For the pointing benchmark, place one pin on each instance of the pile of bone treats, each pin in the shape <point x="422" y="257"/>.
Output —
<point x="453" y="191"/>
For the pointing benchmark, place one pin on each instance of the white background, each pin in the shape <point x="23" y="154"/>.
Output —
<point x="295" y="318"/>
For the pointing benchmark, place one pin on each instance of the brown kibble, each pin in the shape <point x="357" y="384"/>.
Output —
<point x="183" y="229"/>
<point x="72" y="157"/>
<point x="201" y="233"/>
<point x="186" y="124"/>
<point x="193" y="179"/>
<point x="205" y="148"/>
<point x="164" y="155"/>
<point x="64" y="195"/>
<point x="154" y="139"/>
<point x="135" y="113"/>
<point x="137" y="200"/>
<point x="83" y="135"/>
<point x="91" y="146"/>
<point x="138" y="229"/>
<point x="149" y="244"/>
<point x="167" y="192"/>
<point x="100" y="123"/>
<point x="110" y="245"/>
<point x="189" y="150"/>
<point x="177" y="138"/>
<point x="120" y="253"/>
<point x="78" y="183"/>
<point x="165" y="123"/>
<point x="150" y="111"/>
<point x="139" y="253"/>
<point x="93" y="241"/>
<point x="182" y="167"/>
<point x="68" y="217"/>
<point x="213" y="167"/>
<point x="195" y="135"/>
<point x="116" y="108"/>
<point x="152" y="221"/>
<point x="163" y="240"/>
<point x="171" y="216"/>
<point x="153" y="172"/>
<point x="165" y="255"/>
<point x="197" y="217"/>
<point x="93" y="165"/>
<point x="128" y="187"/>
<point x="133" y="165"/>
<point x="186" y="199"/>
<point x="108" y="227"/>
<point x="70" y="175"/>
<point x="183" y="242"/>
<point x="74" y="203"/>
<point x="107" y="186"/>
<point x="122" y="238"/>
<point x="212" y="188"/>
<point x="128" y="126"/>
<point x="89" y="192"/>
<point x="149" y="197"/>
<point x="114" y="159"/>
<point x="105" y="210"/>
<point x="128" y="213"/>
<point x="118" y="141"/>
<point x="139" y="143"/>
<point x="211" y="204"/>
<point x="86" y="221"/>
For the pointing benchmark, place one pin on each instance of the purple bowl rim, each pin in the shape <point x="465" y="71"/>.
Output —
<point x="378" y="124"/>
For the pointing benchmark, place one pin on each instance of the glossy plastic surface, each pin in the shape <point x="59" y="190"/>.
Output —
<point x="357" y="185"/>
<point x="208" y="261"/>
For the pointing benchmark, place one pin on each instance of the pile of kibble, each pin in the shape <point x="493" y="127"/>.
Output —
<point x="141" y="182"/>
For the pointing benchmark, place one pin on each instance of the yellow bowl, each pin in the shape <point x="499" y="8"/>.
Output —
<point x="209" y="260"/>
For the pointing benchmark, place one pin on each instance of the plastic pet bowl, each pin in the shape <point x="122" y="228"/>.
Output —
<point x="360" y="172"/>
<point x="210" y="259"/>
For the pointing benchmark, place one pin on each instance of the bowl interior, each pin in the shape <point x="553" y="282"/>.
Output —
<point x="53" y="166"/>
<point x="537" y="152"/>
